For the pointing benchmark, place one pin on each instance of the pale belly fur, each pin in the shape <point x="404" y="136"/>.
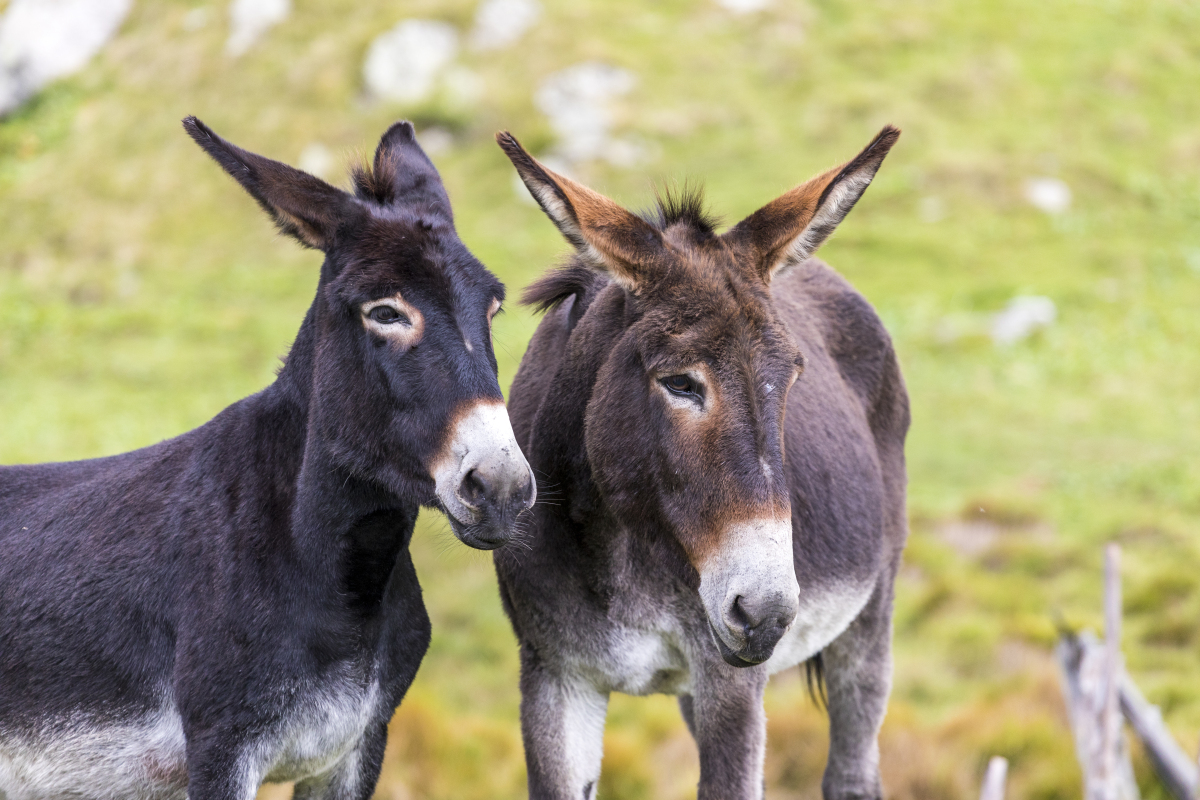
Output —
<point x="652" y="660"/>
<point x="145" y="759"/>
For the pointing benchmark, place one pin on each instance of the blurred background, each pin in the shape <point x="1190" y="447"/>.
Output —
<point x="1032" y="243"/>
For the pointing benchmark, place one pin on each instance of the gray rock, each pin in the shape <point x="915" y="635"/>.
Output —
<point x="501" y="23"/>
<point x="1021" y="318"/>
<point x="250" y="19"/>
<point x="578" y="102"/>
<point x="404" y="64"/>
<point x="1048" y="194"/>
<point x="44" y="40"/>
<point x="743" y="6"/>
<point x="317" y="159"/>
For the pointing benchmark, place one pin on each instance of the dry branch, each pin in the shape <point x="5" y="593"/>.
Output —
<point x="994" y="778"/>
<point x="1174" y="767"/>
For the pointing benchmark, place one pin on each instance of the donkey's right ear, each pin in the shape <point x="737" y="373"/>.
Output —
<point x="303" y="206"/>
<point x="607" y="237"/>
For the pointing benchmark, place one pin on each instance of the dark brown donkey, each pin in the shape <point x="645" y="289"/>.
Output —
<point x="714" y="527"/>
<point x="238" y="604"/>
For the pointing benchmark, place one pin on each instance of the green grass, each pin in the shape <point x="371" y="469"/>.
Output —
<point x="141" y="291"/>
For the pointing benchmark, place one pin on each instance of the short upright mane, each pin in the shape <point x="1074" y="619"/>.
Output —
<point x="685" y="205"/>
<point x="375" y="182"/>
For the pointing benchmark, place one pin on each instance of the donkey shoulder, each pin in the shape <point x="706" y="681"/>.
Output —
<point x="814" y="296"/>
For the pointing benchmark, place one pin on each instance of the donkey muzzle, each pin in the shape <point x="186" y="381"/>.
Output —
<point x="749" y="590"/>
<point x="483" y="482"/>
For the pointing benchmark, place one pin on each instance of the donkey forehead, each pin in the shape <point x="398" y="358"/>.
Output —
<point x="708" y="316"/>
<point x="392" y="255"/>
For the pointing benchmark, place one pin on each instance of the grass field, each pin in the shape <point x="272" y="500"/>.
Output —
<point x="141" y="291"/>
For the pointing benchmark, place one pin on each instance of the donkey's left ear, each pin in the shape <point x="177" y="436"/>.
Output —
<point x="303" y="206"/>
<point x="789" y="229"/>
<point x="606" y="236"/>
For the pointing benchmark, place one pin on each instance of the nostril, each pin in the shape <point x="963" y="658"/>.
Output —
<point x="737" y="613"/>
<point x="474" y="489"/>
<point x="526" y="494"/>
<point x="519" y="498"/>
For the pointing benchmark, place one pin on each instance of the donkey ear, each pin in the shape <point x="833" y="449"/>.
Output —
<point x="402" y="173"/>
<point x="303" y="206"/>
<point x="789" y="229"/>
<point x="609" y="238"/>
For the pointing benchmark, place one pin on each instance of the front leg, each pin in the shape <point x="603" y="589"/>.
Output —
<point x="562" y="723"/>
<point x="858" y="678"/>
<point x="725" y="715"/>
<point x="219" y="767"/>
<point x="355" y="776"/>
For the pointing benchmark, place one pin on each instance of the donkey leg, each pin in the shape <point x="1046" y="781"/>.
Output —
<point x="687" y="708"/>
<point x="354" y="777"/>
<point x="218" y="773"/>
<point x="562" y="723"/>
<point x="730" y="729"/>
<point x="858" y="678"/>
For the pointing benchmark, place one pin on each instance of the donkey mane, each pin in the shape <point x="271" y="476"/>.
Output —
<point x="673" y="206"/>
<point x="375" y="182"/>
<point x="681" y="204"/>
<point x="572" y="279"/>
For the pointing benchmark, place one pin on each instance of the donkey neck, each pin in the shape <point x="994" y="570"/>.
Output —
<point x="326" y="500"/>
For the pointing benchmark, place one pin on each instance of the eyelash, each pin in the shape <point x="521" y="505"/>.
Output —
<point x="686" y="387"/>
<point x="399" y="316"/>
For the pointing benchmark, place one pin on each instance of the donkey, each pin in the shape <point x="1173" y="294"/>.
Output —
<point x="238" y="604"/>
<point x="685" y="554"/>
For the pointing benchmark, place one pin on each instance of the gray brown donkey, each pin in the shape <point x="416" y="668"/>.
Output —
<point x="711" y="527"/>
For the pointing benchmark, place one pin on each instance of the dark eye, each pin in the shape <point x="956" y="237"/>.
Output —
<point x="386" y="315"/>
<point x="681" y="385"/>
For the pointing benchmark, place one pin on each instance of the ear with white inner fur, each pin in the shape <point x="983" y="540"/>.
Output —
<point x="302" y="205"/>
<point x="609" y="238"/>
<point x="789" y="229"/>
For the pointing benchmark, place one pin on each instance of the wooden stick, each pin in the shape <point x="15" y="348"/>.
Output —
<point x="1173" y="765"/>
<point x="1083" y="659"/>
<point x="1110" y="718"/>
<point x="994" y="779"/>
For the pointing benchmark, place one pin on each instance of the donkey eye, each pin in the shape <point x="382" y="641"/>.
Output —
<point x="386" y="315"/>
<point x="681" y="385"/>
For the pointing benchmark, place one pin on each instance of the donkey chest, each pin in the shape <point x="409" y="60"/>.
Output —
<point x="323" y="726"/>
<point x="824" y="613"/>
<point x="639" y="660"/>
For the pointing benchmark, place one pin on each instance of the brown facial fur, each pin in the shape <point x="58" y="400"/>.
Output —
<point x="693" y="297"/>
<point x="702" y="468"/>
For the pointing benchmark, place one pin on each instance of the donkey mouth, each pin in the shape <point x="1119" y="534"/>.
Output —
<point x="747" y="657"/>
<point x="479" y="535"/>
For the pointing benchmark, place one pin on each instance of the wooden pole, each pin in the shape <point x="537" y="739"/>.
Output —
<point x="1111" y="714"/>
<point x="1172" y="763"/>
<point x="994" y="779"/>
<point x="1091" y="685"/>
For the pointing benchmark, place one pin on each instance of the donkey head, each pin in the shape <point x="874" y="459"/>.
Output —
<point x="684" y="423"/>
<point x="404" y="391"/>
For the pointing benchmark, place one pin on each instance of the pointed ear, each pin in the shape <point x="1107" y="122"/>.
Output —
<point x="402" y="173"/>
<point x="607" y="237"/>
<point x="789" y="229"/>
<point x="302" y="205"/>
